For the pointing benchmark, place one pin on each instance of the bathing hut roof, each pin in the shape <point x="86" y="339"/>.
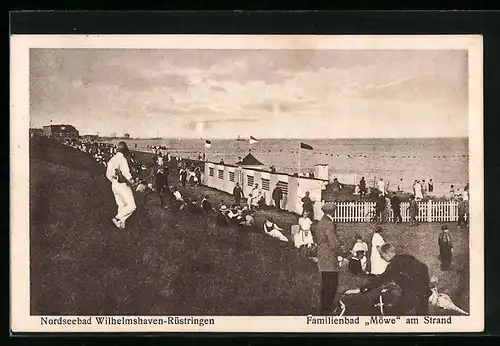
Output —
<point x="250" y="160"/>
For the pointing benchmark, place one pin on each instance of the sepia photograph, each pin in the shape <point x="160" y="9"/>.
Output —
<point x="184" y="183"/>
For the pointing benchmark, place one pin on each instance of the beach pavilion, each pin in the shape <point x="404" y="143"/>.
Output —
<point x="250" y="161"/>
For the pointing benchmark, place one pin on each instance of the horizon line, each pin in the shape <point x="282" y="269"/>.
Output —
<point x="291" y="138"/>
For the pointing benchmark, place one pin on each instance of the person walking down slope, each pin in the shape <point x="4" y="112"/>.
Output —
<point x="160" y="183"/>
<point x="118" y="173"/>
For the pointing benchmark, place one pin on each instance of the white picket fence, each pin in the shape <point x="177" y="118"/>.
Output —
<point x="430" y="211"/>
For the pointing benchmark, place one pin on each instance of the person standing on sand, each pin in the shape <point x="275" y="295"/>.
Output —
<point x="413" y="209"/>
<point x="160" y="183"/>
<point x="362" y="187"/>
<point x="377" y="263"/>
<point x="184" y="175"/>
<point x="445" y="248"/>
<point x="418" y="191"/>
<point x="430" y="186"/>
<point x="463" y="209"/>
<point x="336" y="186"/>
<point x="118" y="173"/>
<point x="381" y="186"/>
<point x="396" y="208"/>
<point x="400" y="186"/>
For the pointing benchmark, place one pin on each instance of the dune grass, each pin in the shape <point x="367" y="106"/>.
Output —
<point x="168" y="263"/>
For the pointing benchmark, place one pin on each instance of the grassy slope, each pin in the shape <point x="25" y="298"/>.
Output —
<point x="170" y="264"/>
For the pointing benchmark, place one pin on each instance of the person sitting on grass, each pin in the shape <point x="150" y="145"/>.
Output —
<point x="143" y="189"/>
<point x="221" y="203"/>
<point x="234" y="214"/>
<point x="248" y="219"/>
<point x="262" y="202"/>
<point x="192" y="207"/>
<point x="270" y="228"/>
<point x="176" y="198"/>
<point x="222" y="218"/>
<point x="206" y="206"/>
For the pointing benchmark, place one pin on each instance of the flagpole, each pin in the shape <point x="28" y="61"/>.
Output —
<point x="299" y="161"/>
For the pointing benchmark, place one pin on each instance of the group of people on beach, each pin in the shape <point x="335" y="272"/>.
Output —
<point x="317" y="241"/>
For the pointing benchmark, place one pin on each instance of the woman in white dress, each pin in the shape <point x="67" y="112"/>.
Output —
<point x="378" y="264"/>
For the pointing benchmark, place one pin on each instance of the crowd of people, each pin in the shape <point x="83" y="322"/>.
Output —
<point x="381" y="263"/>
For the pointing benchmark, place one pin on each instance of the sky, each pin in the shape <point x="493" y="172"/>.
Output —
<point x="261" y="93"/>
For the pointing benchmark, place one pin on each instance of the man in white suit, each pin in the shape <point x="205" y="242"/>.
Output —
<point x="118" y="173"/>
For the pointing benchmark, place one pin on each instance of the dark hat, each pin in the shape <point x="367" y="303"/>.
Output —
<point x="443" y="227"/>
<point x="329" y="207"/>
<point x="122" y="147"/>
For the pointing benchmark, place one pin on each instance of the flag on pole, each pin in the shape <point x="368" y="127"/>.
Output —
<point x="208" y="143"/>
<point x="253" y="140"/>
<point x="305" y="146"/>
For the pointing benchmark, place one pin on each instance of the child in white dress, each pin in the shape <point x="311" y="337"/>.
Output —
<point x="359" y="251"/>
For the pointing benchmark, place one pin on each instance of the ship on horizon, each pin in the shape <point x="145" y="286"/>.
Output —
<point x="239" y="139"/>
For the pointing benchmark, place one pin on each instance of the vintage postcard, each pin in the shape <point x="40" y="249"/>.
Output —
<point x="199" y="183"/>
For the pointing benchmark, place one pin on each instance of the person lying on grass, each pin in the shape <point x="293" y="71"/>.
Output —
<point x="192" y="206"/>
<point x="270" y="228"/>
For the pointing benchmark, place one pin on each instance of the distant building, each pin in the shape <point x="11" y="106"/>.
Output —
<point x="36" y="132"/>
<point x="60" y="131"/>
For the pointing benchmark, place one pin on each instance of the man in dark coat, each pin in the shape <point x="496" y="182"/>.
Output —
<point x="160" y="183"/>
<point x="411" y="275"/>
<point x="237" y="194"/>
<point x="329" y="250"/>
<point x="184" y="175"/>
<point x="396" y="208"/>
<point x="380" y="208"/>
<point x="445" y="248"/>
<point x="307" y="205"/>
<point x="277" y="197"/>
<point x="413" y="209"/>
<point x="462" y="211"/>
<point x="362" y="187"/>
